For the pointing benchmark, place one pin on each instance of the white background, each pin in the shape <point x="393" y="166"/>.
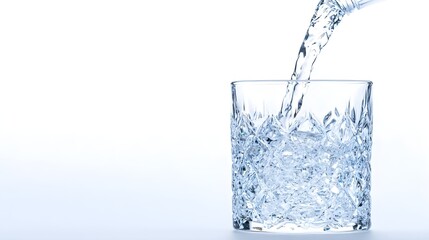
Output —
<point x="114" y="115"/>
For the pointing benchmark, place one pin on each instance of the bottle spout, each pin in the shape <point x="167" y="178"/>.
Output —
<point x="363" y="3"/>
<point x="349" y="6"/>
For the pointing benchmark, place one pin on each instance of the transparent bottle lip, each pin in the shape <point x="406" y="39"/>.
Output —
<point x="322" y="81"/>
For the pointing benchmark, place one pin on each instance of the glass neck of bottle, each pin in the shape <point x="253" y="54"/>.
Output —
<point x="349" y="6"/>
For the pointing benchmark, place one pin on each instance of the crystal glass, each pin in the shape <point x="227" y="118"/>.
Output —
<point x="301" y="155"/>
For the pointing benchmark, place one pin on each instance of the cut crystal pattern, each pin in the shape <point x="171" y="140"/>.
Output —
<point x="315" y="175"/>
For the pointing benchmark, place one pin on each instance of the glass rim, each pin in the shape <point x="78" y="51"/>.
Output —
<point x="368" y="82"/>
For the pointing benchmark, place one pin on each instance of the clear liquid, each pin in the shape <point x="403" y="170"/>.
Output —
<point x="326" y="17"/>
<point x="323" y="23"/>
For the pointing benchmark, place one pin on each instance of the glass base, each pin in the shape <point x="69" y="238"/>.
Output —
<point x="294" y="228"/>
